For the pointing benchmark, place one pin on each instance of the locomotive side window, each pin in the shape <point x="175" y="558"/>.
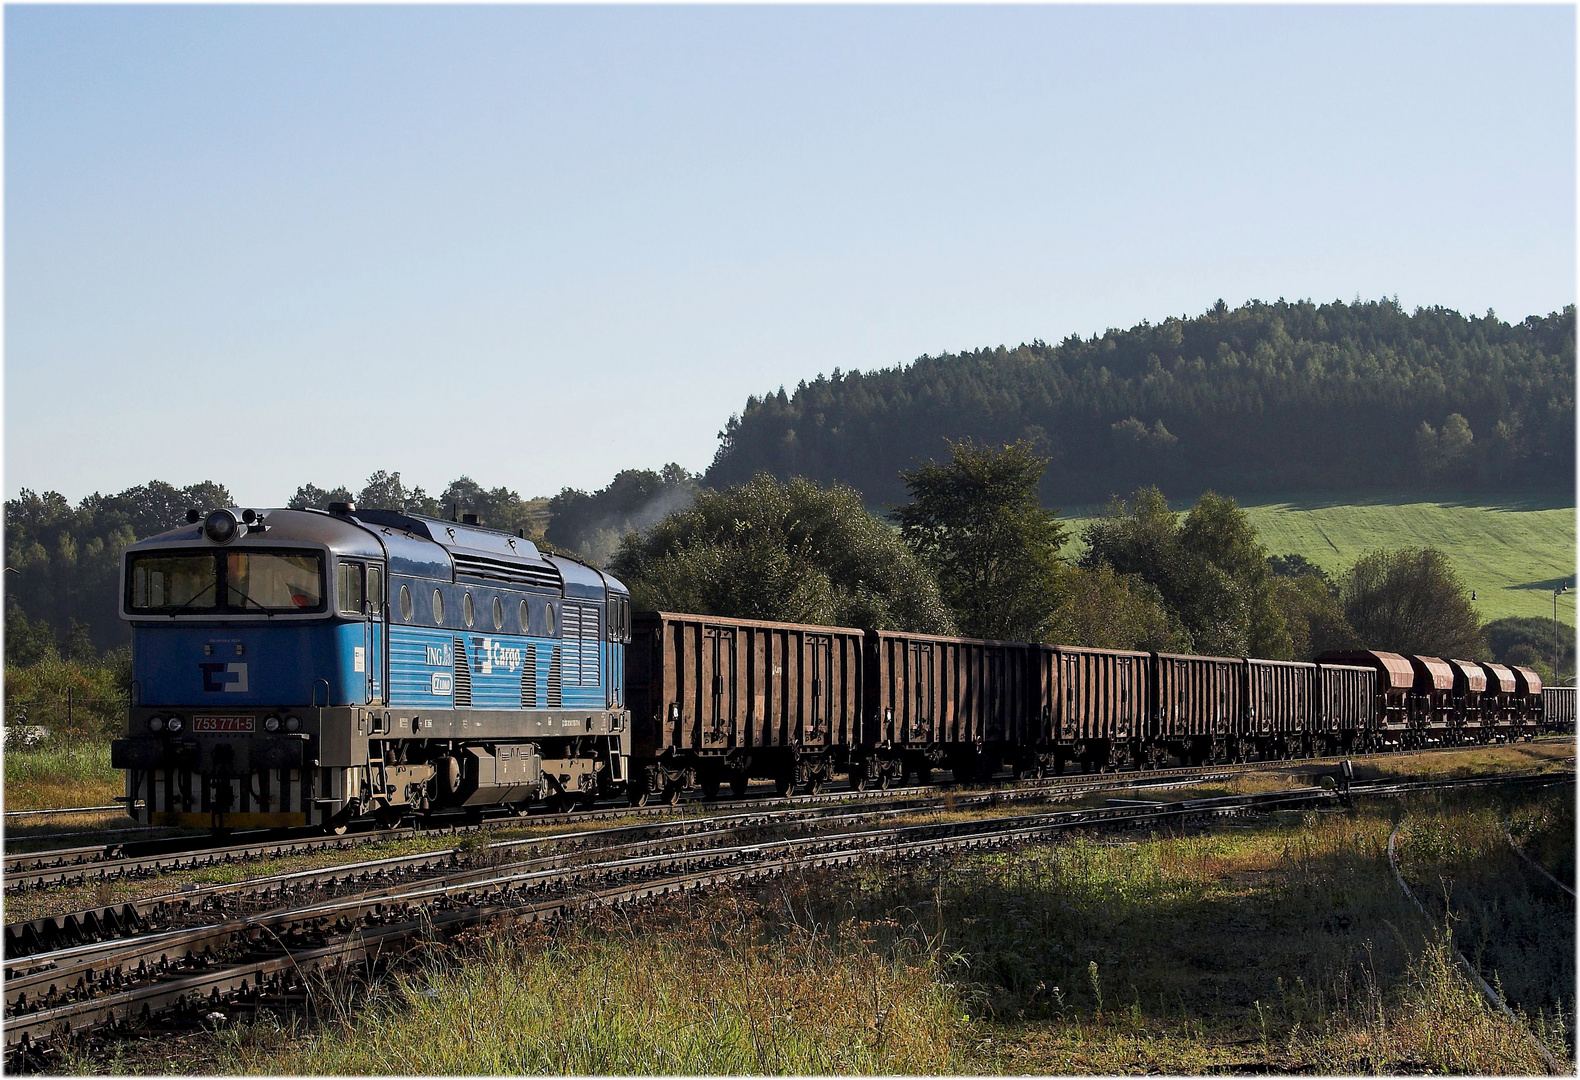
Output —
<point x="405" y="603"/>
<point x="466" y="608"/>
<point x="499" y="614"/>
<point x="438" y="607"/>
<point x="522" y="613"/>
<point x="548" y="615"/>
<point x="348" y="591"/>
<point x="375" y="590"/>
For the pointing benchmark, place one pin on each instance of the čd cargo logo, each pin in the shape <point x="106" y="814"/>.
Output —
<point x="494" y="655"/>
<point x="224" y="678"/>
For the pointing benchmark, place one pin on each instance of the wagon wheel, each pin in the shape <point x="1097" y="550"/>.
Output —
<point x="738" y="784"/>
<point x="710" y="787"/>
<point x="639" y="796"/>
<point x="885" y="781"/>
<point x="924" y="774"/>
<point x="858" y="779"/>
<point x="671" y="795"/>
<point x="814" y="784"/>
<point x="784" y="783"/>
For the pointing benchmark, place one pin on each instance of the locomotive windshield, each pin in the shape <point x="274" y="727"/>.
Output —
<point x="232" y="583"/>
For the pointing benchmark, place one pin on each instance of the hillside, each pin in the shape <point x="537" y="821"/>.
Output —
<point x="1512" y="552"/>
<point x="1264" y="398"/>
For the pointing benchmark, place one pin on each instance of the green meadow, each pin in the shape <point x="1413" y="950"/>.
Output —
<point x="1512" y="551"/>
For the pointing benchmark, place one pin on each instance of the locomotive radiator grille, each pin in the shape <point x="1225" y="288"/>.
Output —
<point x="529" y="677"/>
<point x="554" y="678"/>
<point x="463" y="675"/>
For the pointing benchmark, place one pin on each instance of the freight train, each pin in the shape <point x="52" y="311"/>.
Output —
<point x="305" y="668"/>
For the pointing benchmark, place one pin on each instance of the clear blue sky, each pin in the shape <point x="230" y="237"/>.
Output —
<point x="536" y="245"/>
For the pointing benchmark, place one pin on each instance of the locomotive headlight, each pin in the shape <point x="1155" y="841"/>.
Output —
<point x="220" y="526"/>
<point x="173" y="724"/>
<point x="156" y="723"/>
<point x="293" y="723"/>
<point x="271" y="724"/>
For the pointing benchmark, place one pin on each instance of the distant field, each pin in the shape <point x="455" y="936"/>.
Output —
<point x="1512" y="552"/>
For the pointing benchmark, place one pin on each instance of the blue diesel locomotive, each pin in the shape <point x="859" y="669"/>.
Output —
<point x="304" y="668"/>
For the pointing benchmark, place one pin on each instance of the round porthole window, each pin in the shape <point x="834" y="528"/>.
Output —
<point x="499" y="614"/>
<point x="548" y="617"/>
<point x="523" y="615"/>
<point x="405" y="603"/>
<point x="466" y="608"/>
<point x="438" y="607"/>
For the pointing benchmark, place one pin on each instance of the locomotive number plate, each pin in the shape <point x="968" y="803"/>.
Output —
<point x="222" y="723"/>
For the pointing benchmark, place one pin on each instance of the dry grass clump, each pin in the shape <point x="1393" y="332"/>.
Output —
<point x="63" y="772"/>
<point x="609" y="996"/>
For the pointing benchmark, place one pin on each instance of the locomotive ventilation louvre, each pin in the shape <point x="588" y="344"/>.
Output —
<point x="481" y="566"/>
<point x="529" y="677"/>
<point x="554" y="678"/>
<point x="463" y="674"/>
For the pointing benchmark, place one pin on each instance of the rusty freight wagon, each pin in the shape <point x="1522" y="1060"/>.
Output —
<point x="1198" y="705"/>
<point x="931" y="700"/>
<point x="1281" y="704"/>
<point x="716" y="700"/>
<point x="1097" y="701"/>
<point x="1391" y="704"/>
<point x="1499" y="709"/>
<point x="1470" y="686"/>
<point x="1431" y="700"/>
<point x="1528" y="700"/>
<point x="1346" y="712"/>
<point x="1558" y="708"/>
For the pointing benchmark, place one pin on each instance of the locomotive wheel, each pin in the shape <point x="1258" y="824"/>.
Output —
<point x="738" y="784"/>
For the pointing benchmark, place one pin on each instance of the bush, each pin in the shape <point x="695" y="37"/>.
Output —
<point x="793" y="552"/>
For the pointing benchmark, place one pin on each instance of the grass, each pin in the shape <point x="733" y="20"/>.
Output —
<point x="64" y="773"/>
<point x="1513" y="552"/>
<point x="1281" y="945"/>
<point x="1516" y="928"/>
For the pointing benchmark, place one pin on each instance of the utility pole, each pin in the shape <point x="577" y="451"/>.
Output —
<point x="1563" y="587"/>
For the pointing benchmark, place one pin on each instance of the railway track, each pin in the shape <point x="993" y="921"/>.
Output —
<point x="266" y="960"/>
<point x="101" y="862"/>
<point x="30" y="937"/>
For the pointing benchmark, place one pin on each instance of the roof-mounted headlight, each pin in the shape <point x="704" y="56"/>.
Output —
<point x="220" y="526"/>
